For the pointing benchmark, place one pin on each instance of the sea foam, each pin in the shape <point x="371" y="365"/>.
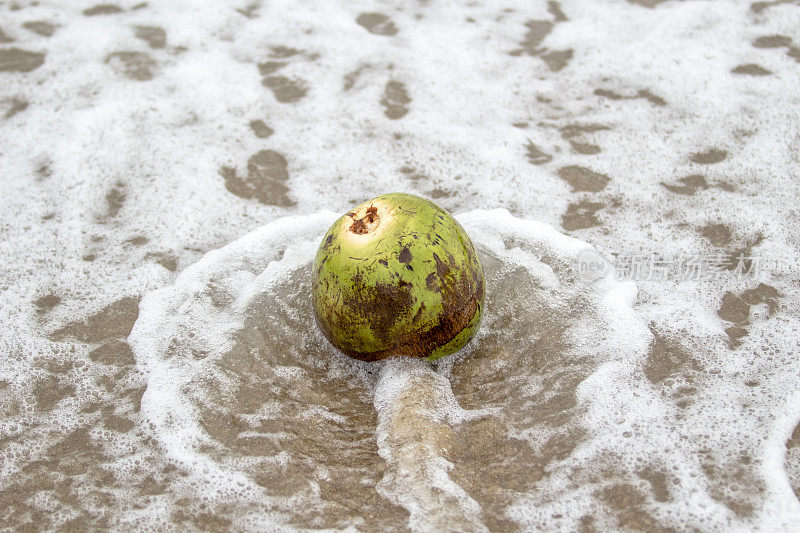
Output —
<point x="556" y="371"/>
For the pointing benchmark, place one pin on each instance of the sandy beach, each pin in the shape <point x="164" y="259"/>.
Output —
<point x="627" y="170"/>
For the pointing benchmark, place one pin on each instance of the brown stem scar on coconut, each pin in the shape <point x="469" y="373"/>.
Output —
<point x="367" y="223"/>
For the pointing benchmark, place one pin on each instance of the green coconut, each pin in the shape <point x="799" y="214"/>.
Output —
<point x="397" y="276"/>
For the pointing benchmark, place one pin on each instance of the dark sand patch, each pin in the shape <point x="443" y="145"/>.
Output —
<point x="689" y="185"/>
<point x="260" y="129"/>
<point x="644" y="94"/>
<point x="13" y="105"/>
<point x="351" y="77"/>
<point x="283" y="52"/>
<point x="137" y="66"/>
<point x="438" y="193"/>
<point x="45" y="29"/>
<point x="762" y="294"/>
<point x="268" y="67"/>
<point x="5" y="38"/>
<point x="168" y="261"/>
<point x="581" y="215"/>
<point x="573" y="130"/>
<point x="538" y="30"/>
<point x="114" y="352"/>
<point x="536" y="155"/>
<point x="709" y="157"/>
<point x="150" y="487"/>
<point x="413" y="174"/>
<point x="202" y="520"/>
<point x="652" y="98"/>
<point x="735" y="335"/>
<point x="266" y="179"/>
<point x="377" y="23"/>
<point x="627" y="500"/>
<point x="55" y="364"/>
<point x="118" y="424"/>
<point x="779" y="41"/>
<point x="165" y="259"/>
<point x="114" y="321"/>
<point x="741" y="258"/>
<point x="772" y="41"/>
<point x="154" y="36"/>
<point x="250" y="10"/>
<point x="17" y="60"/>
<point x="751" y="69"/>
<point x="758" y="7"/>
<point x="102" y="9"/>
<point x="665" y="358"/>
<point x="584" y="148"/>
<point x="736" y="309"/>
<point x="607" y="93"/>
<point x="659" y="481"/>
<point x="395" y="100"/>
<point x="581" y="179"/>
<point x="285" y="89"/>
<point x="115" y="199"/>
<point x="724" y="185"/>
<point x="49" y="390"/>
<point x="558" y="59"/>
<point x="139" y="240"/>
<point x="717" y="234"/>
<point x="45" y="304"/>
<point x="555" y="9"/>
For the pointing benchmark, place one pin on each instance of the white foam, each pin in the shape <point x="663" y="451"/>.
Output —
<point x="165" y="312"/>
<point x="164" y="141"/>
<point x="417" y="475"/>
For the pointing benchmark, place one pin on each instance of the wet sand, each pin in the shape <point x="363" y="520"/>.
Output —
<point x="160" y="365"/>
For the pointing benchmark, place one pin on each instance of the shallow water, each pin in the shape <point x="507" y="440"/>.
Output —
<point x="244" y="391"/>
<point x="168" y="169"/>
